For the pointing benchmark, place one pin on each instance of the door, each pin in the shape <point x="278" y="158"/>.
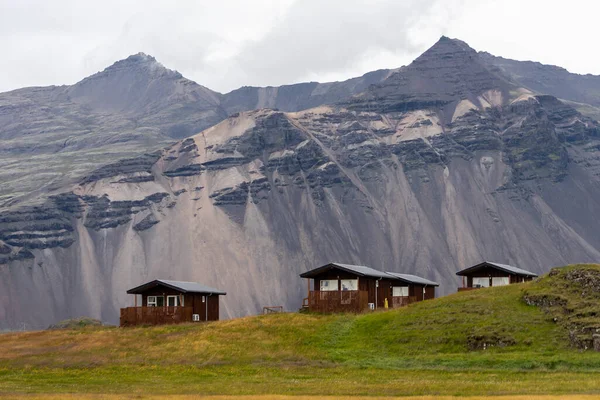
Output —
<point x="371" y="289"/>
<point x="384" y="293"/>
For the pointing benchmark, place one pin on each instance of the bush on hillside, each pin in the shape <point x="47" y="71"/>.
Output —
<point x="76" y="323"/>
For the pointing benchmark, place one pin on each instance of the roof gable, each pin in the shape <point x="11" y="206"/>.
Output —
<point x="502" y="267"/>
<point x="182" y="286"/>
<point x="417" y="280"/>
<point x="362" y="270"/>
<point x="359" y="270"/>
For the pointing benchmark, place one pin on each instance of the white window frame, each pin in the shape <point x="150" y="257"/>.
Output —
<point x="399" y="291"/>
<point x="331" y="286"/>
<point x="177" y="301"/>
<point x="483" y="279"/>
<point x="152" y="301"/>
<point x="506" y="280"/>
<point x="349" y="283"/>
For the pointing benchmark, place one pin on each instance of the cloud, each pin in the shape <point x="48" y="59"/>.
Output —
<point x="319" y="38"/>
<point x="63" y="41"/>
<point x="226" y="44"/>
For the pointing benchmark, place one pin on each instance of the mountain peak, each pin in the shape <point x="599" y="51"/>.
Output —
<point x="141" y="57"/>
<point x="446" y="40"/>
<point x="446" y="46"/>
<point x="447" y="72"/>
<point x="142" y="63"/>
<point x="133" y="83"/>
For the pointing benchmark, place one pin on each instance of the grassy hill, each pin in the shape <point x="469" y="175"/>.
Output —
<point x="520" y="339"/>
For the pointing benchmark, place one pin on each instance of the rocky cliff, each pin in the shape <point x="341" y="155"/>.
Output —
<point x="403" y="177"/>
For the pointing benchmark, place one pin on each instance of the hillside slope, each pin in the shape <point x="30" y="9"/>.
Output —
<point x="488" y="341"/>
<point x="427" y="184"/>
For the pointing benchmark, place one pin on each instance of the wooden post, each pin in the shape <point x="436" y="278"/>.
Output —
<point x="307" y="287"/>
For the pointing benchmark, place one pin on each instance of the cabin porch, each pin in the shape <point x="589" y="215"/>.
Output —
<point x="132" y="316"/>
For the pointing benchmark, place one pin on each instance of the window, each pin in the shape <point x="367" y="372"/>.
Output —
<point x="328" y="285"/>
<point x="349" y="284"/>
<point x="481" y="282"/>
<point x="155" y="301"/>
<point x="500" y="281"/>
<point x="400" y="291"/>
<point x="174" y="301"/>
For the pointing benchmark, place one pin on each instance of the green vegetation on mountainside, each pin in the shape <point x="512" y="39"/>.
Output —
<point x="487" y="341"/>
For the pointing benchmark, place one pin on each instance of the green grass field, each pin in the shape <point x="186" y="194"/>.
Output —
<point x="480" y="343"/>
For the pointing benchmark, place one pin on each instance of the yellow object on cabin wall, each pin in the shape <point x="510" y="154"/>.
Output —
<point x="385" y="303"/>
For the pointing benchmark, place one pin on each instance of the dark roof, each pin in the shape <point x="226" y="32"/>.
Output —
<point x="184" y="287"/>
<point x="502" y="267"/>
<point x="359" y="270"/>
<point x="408" y="278"/>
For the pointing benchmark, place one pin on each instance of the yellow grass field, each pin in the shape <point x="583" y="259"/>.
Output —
<point x="127" y="397"/>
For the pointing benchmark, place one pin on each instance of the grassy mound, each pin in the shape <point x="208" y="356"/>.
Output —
<point x="571" y="295"/>
<point x="505" y="340"/>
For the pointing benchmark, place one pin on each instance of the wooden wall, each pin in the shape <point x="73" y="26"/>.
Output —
<point x="210" y="304"/>
<point x="369" y="285"/>
<point x="429" y="292"/>
<point x="416" y="291"/>
<point x="336" y="274"/>
<point x="193" y="300"/>
<point x="495" y="273"/>
<point x="163" y="291"/>
<point x="384" y="292"/>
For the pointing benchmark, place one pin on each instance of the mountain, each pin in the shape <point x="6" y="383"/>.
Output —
<point x="300" y="96"/>
<point x="402" y="177"/>
<point x="582" y="90"/>
<point x="50" y="136"/>
<point x="448" y="71"/>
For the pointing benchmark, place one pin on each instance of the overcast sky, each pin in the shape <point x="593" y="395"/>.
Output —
<point x="225" y="44"/>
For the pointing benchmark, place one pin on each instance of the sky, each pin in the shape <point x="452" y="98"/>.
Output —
<point x="226" y="44"/>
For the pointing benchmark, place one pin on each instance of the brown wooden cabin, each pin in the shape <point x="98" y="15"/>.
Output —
<point x="171" y="302"/>
<point x="353" y="288"/>
<point x="487" y="274"/>
<point x="411" y="288"/>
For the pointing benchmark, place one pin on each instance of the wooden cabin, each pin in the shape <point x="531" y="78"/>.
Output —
<point x="411" y="288"/>
<point x="354" y="288"/>
<point x="487" y="274"/>
<point x="171" y="302"/>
